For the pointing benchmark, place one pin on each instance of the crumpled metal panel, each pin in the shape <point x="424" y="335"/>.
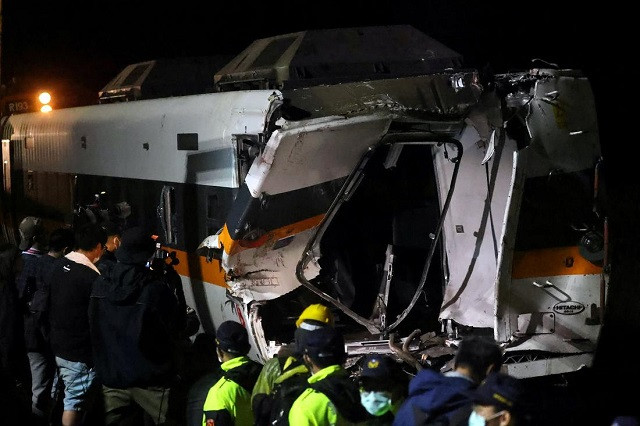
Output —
<point x="262" y="273"/>
<point x="472" y="230"/>
<point x="432" y="100"/>
<point x="563" y="125"/>
<point x="308" y="153"/>
<point x="300" y="155"/>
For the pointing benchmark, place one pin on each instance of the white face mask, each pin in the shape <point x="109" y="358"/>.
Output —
<point x="376" y="403"/>
<point x="476" y="419"/>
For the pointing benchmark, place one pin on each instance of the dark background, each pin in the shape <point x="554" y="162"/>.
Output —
<point x="74" y="48"/>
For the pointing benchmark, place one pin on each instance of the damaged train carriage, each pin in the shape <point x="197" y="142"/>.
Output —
<point x="425" y="206"/>
<point x="454" y="210"/>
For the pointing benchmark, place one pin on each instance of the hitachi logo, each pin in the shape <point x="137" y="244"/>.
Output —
<point x="568" y="308"/>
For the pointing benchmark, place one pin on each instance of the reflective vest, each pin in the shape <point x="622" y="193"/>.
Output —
<point x="332" y="398"/>
<point x="229" y="399"/>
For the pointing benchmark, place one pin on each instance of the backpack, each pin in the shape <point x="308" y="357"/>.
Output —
<point x="132" y="331"/>
<point x="339" y="388"/>
<point x="343" y="392"/>
<point x="244" y="375"/>
<point x="274" y="408"/>
<point x="39" y="308"/>
<point x="36" y="313"/>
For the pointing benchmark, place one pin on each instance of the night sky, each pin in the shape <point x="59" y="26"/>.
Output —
<point x="83" y="44"/>
<point x="74" y="48"/>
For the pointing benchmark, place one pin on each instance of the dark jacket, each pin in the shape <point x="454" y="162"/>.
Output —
<point x="134" y="316"/>
<point x="40" y="303"/>
<point x="70" y="290"/>
<point x="26" y="281"/>
<point x="36" y="321"/>
<point x="11" y="344"/>
<point x="106" y="263"/>
<point x="27" y="284"/>
<point x="433" y="395"/>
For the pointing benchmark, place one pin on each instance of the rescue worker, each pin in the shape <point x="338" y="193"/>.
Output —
<point x="435" y="398"/>
<point x="287" y="366"/>
<point x="229" y="399"/>
<point x="383" y="388"/>
<point x="332" y="397"/>
<point x="498" y="401"/>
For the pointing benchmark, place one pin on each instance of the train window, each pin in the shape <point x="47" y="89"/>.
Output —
<point x="248" y="147"/>
<point x="187" y="141"/>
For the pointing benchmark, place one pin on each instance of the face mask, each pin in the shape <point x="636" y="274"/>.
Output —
<point x="476" y="419"/>
<point x="376" y="403"/>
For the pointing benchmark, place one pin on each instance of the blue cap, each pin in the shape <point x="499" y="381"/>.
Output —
<point x="301" y="332"/>
<point x="324" y="343"/>
<point x="232" y="337"/>
<point x="500" y="390"/>
<point x="377" y="367"/>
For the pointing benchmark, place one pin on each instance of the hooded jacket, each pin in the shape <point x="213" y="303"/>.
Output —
<point x="433" y="395"/>
<point x="132" y="314"/>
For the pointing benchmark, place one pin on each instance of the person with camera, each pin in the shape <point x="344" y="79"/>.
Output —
<point x="136" y="322"/>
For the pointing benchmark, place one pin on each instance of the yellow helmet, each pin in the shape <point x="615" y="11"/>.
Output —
<point x="316" y="312"/>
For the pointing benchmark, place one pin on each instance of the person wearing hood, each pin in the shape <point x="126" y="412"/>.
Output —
<point x="435" y="397"/>
<point x="133" y="314"/>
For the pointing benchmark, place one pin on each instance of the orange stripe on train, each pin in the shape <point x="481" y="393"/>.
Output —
<point x="232" y="246"/>
<point x="551" y="262"/>
<point x="196" y="267"/>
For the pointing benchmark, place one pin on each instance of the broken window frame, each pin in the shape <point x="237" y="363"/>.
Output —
<point x="312" y="249"/>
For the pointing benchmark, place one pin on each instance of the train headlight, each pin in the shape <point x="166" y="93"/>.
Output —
<point x="45" y="98"/>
